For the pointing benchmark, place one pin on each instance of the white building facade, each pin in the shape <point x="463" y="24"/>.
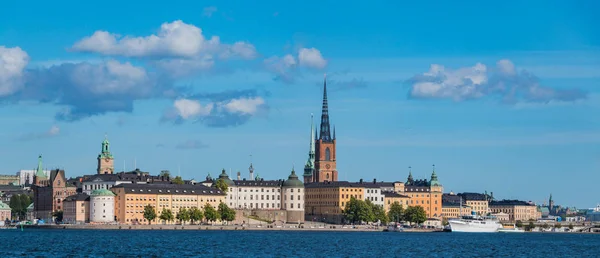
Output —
<point x="102" y="206"/>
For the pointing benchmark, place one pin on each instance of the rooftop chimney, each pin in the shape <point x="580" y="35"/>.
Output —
<point x="374" y="180"/>
<point x="360" y="181"/>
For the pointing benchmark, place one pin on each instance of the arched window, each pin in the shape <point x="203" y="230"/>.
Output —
<point x="327" y="154"/>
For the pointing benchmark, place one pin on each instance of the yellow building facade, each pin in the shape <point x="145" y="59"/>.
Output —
<point x="391" y="197"/>
<point x="516" y="210"/>
<point x="131" y="199"/>
<point x="427" y="194"/>
<point x="325" y="199"/>
<point x="76" y="209"/>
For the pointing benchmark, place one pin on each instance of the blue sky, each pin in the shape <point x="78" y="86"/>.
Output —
<point x="500" y="97"/>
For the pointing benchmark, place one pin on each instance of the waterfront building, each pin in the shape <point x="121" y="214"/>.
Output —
<point x="106" y="160"/>
<point x="30" y="213"/>
<point x="277" y="199"/>
<point x="476" y="201"/>
<point x="76" y="209"/>
<point x="452" y="208"/>
<point x="107" y="181"/>
<point x="131" y="199"/>
<point x="392" y="197"/>
<point x="427" y="194"/>
<point x="324" y="157"/>
<point x="49" y="192"/>
<point x="5" y="212"/>
<point x="374" y="191"/>
<point x="102" y="206"/>
<point x="326" y="201"/>
<point x="9" y="180"/>
<point x="293" y="198"/>
<point x="516" y="210"/>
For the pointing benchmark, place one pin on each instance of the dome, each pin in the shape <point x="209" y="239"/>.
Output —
<point x="223" y="176"/>
<point x="293" y="181"/>
<point x="102" y="192"/>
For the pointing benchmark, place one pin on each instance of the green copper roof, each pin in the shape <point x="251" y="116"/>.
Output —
<point x="4" y="206"/>
<point x="225" y="178"/>
<point x="293" y="181"/>
<point x="434" y="179"/>
<point x="102" y="192"/>
<point x="40" y="170"/>
<point x="105" y="153"/>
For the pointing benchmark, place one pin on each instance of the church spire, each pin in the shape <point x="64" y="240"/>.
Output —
<point x="310" y="163"/>
<point x="325" y="132"/>
<point x="40" y="170"/>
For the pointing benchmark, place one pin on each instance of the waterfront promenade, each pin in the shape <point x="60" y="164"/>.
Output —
<point x="320" y="227"/>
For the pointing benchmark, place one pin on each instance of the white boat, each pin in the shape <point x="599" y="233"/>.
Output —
<point x="475" y="223"/>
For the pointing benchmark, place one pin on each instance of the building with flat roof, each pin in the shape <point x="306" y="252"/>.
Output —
<point x="131" y="199"/>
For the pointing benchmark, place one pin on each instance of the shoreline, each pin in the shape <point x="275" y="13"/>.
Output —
<point x="212" y="227"/>
<point x="238" y="228"/>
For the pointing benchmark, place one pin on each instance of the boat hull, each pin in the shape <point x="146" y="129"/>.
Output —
<point x="474" y="227"/>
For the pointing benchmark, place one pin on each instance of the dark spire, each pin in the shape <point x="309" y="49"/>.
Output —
<point x="325" y="132"/>
<point x="334" y="132"/>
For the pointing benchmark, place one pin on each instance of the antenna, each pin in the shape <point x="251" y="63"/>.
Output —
<point x="123" y="165"/>
<point x="179" y="170"/>
<point x="134" y="163"/>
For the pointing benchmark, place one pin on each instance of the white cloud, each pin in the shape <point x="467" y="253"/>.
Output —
<point x="478" y="81"/>
<point x="173" y="40"/>
<point x="311" y="57"/>
<point x="12" y="65"/>
<point x="282" y="67"/>
<point x="208" y="11"/>
<point x="286" y="68"/>
<point x="245" y="105"/>
<point x="187" y="108"/>
<point x="52" y="132"/>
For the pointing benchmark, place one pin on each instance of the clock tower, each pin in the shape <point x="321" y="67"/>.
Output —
<point x="105" y="159"/>
<point x="325" y="163"/>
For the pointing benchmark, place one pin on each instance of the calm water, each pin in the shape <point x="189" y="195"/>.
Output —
<point x="164" y="243"/>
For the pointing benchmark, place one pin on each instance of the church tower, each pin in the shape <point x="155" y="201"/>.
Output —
<point x="309" y="168"/>
<point x="105" y="159"/>
<point x="325" y="163"/>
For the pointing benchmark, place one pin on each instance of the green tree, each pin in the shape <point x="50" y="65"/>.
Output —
<point x="571" y="226"/>
<point x="531" y="226"/>
<point x="378" y="213"/>
<point x="149" y="213"/>
<point x="58" y="215"/>
<point x="396" y="212"/>
<point x="445" y="222"/>
<point x="519" y="224"/>
<point x="415" y="214"/>
<point x="165" y="173"/>
<point x="183" y="215"/>
<point x="226" y="213"/>
<point x="195" y="214"/>
<point x="210" y="213"/>
<point x="166" y="215"/>
<point x="558" y="225"/>
<point x="25" y="202"/>
<point x="15" y="205"/>
<point x="221" y="185"/>
<point x="357" y="211"/>
<point x="177" y="180"/>
<point x="545" y="226"/>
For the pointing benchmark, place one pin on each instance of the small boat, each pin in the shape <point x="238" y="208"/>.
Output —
<point x="513" y="229"/>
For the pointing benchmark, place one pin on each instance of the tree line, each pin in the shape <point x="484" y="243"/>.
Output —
<point x="193" y="215"/>
<point x="366" y="211"/>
